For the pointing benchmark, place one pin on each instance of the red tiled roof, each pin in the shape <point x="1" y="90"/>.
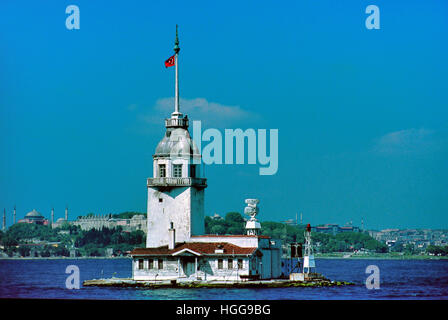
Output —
<point x="201" y="248"/>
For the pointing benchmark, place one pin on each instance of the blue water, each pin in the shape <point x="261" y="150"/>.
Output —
<point x="399" y="279"/>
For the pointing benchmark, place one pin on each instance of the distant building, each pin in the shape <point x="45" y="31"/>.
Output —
<point x="58" y="223"/>
<point x="34" y="217"/>
<point x="137" y="222"/>
<point x="217" y="217"/>
<point x="334" y="229"/>
<point x="419" y="239"/>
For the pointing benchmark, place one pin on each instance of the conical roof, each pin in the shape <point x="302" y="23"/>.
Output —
<point x="177" y="142"/>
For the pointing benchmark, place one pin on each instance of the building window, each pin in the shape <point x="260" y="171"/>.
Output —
<point x="140" y="264"/>
<point x="162" y="170"/>
<point x="177" y="171"/>
<point x="150" y="264"/>
<point x="230" y="264"/>
<point x="160" y="200"/>
<point x="240" y="263"/>
<point x="160" y="263"/>
<point x="220" y="264"/>
<point x="193" y="170"/>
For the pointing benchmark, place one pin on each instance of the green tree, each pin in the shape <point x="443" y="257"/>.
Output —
<point x="24" y="251"/>
<point x="218" y="229"/>
<point x="235" y="223"/>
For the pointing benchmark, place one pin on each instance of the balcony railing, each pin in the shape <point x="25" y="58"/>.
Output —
<point x="177" y="182"/>
<point x="176" y="122"/>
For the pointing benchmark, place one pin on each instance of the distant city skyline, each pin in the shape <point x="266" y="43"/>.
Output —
<point x="360" y="225"/>
<point x="362" y="115"/>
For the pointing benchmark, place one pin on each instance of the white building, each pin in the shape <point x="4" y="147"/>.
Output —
<point x="137" y="222"/>
<point x="176" y="247"/>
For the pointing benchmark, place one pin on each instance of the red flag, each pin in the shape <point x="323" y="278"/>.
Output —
<point x="170" y="62"/>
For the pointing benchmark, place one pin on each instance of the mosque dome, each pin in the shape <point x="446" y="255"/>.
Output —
<point x="33" y="214"/>
<point x="177" y="142"/>
<point x="60" y="220"/>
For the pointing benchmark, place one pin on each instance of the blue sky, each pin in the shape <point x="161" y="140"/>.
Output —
<point x="362" y="114"/>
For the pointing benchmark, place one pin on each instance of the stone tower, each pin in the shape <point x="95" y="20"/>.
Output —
<point x="176" y="191"/>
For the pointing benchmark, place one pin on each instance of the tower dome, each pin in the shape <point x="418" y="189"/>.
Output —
<point x="177" y="142"/>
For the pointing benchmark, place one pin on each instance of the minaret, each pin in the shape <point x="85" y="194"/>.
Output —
<point x="52" y="217"/>
<point x="176" y="191"/>
<point x="4" y="219"/>
<point x="66" y="213"/>
<point x="14" y="215"/>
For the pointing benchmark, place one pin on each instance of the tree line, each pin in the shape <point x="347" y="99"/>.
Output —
<point x="437" y="250"/>
<point x="22" y="239"/>
<point x="234" y="223"/>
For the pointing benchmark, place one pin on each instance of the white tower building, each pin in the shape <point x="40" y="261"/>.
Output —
<point x="176" y="191"/>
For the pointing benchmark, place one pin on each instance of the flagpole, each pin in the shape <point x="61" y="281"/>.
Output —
<point x="176" y="97"/>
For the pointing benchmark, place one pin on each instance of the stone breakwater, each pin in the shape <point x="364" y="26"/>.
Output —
<point x="277" y="283"/>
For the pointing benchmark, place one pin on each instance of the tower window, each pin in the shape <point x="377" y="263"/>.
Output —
<point x="162" y="170"/>
<point x="192" y="170"/>
<point x="177" y="171"/>
<point x="160" y="200"/>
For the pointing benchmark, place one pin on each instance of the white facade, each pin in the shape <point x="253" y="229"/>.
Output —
<point x="183" y="268"/>
<point x="260" y="259"/>
<point x="184" y="206"/>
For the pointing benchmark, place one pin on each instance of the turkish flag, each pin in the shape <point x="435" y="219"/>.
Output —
<point x="171" y="61"/>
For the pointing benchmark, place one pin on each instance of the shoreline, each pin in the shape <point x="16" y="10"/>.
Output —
<point x="272" y="283"/>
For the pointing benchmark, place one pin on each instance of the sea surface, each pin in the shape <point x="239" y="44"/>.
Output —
<point x="399" y="279"/>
